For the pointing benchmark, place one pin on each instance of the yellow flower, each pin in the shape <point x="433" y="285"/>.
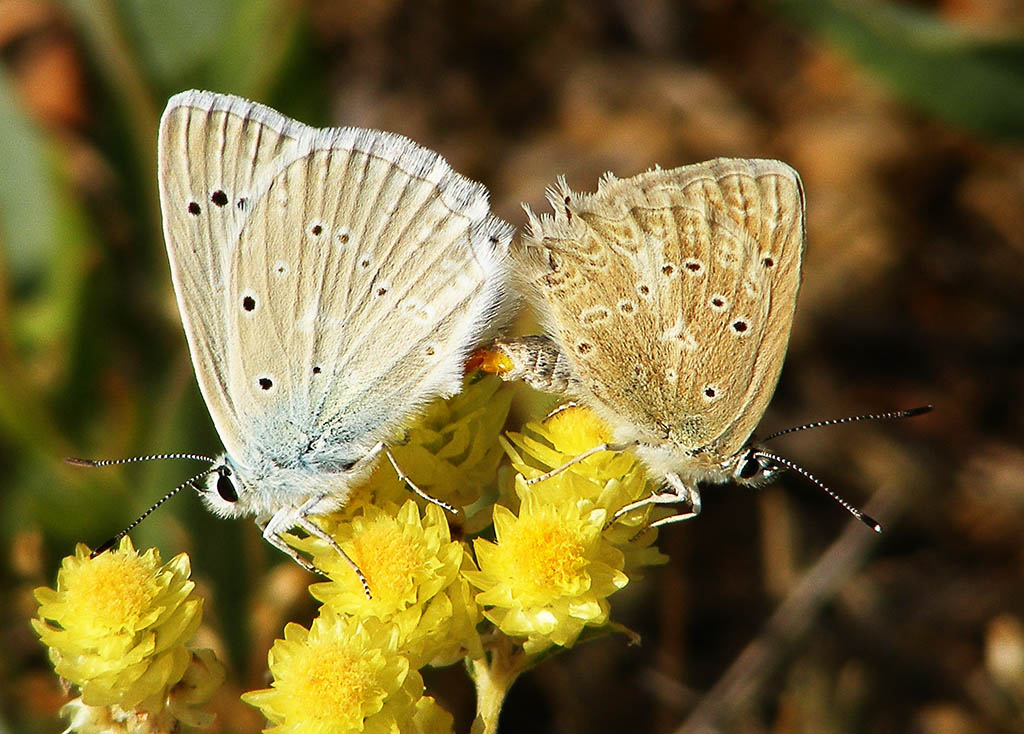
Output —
<point x="548" y="574"/>
<point x="606" y="480"/>
<point x="117" y="626"/>
<point x="202" y="677"/>
<point x="412" y="567"/>
<point x="451" y="452"/>
<point x="565" y="435"/>
<point x="342" y="675"/>
<point x="430" y="718"/>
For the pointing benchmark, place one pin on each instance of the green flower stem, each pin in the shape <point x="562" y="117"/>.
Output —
<point x="494" y="676"/>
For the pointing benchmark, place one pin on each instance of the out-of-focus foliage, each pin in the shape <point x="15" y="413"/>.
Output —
<point x="968" y="78"/>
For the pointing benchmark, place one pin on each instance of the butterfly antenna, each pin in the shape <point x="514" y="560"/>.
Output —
<point x="779" y="460"/>
<point x="133" y="459"/>
<point x="852" y="419"/>
<point x="113" y="541"/>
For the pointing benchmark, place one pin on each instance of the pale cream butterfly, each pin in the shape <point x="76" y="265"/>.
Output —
<point x="668" y="299"/>
<point x="330" y="282"/>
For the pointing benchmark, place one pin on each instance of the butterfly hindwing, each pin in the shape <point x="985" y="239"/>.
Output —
<point x="672" y="293"/>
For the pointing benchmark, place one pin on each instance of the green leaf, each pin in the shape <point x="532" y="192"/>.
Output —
<point x="44" y="240"/>
<point x="28" y="195"/>
<point x="231" y="46"/>
<point x="964" y="79"/>
<point x="176" y="39"/>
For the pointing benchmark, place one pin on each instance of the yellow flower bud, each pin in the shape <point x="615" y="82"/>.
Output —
<point x="117" y="627"/>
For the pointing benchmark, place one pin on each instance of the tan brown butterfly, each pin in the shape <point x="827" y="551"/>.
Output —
<point x="668" y="299"/>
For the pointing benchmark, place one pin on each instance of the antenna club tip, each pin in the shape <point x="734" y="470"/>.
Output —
<point x="103" y="548"/>
<point x="75" y="461"/>
<point x="871" y="522"/>
<point x="918" y="411"/>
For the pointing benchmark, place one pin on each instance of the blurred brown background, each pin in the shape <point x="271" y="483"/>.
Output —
<point x="777" y="612"/>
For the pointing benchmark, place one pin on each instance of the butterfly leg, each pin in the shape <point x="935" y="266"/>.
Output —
<point x="404" y="478"/>
<point x="271" y="533"/>
<point x="577" y="459"/>
<point x="288" y="518"/>
<point x="560" y="407"/>
<point x="313" y="529"/>
<point x="675" y="493"/>
<point x="694" y="499"/>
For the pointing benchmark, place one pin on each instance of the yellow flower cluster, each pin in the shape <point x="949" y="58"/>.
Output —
<point x="451" y="451"/>
<point x="117" y="627"/>
<point x="414" y="571"/>
<point x="607" y="480"/>
<point x="552" y="567"/>
<point x="422" y="610"/>
<point x="532" y="568"/>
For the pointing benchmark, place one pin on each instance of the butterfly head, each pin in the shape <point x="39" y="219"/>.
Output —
<point x="231" y="489"/>
<point x="226" y="491"/>
<point x="753" y="467"/>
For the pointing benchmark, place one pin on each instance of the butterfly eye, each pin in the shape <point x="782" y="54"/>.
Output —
<point x="750" y="469"/>
<point x="226" y="489"/>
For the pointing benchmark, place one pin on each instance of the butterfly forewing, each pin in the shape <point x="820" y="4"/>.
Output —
<point x="205" y="151"/>
<point x="337" y="289"/>
<point x="673" y="292"/>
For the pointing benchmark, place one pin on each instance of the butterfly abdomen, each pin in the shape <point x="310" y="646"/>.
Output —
<point x="533" y="359"/>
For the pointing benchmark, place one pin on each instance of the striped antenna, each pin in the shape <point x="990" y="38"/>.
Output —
<point x="780" y="461"/>
<point x="116" y="539"/>
<point x="133" y="459"/>
<point x="852" y="419"/>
